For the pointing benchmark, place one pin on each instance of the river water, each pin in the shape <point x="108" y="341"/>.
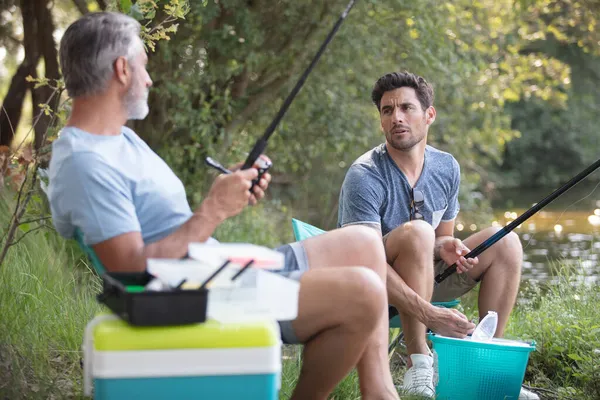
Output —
<point x="564" y="233"/>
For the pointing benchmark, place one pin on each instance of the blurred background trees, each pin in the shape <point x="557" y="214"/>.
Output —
<point x="516" y="86"/>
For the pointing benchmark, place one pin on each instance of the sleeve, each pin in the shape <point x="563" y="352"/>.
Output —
<point x="361" y="198"/>
<point x="94" y="197"/>
<point x="453" y="205"/>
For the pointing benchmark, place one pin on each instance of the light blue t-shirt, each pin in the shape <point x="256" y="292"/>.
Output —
<point x="110" y="185"/>
<point x="376" y="192"/>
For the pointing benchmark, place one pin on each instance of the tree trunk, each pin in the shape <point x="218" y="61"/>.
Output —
<point x="10" y="115"/>
<point x="43" y="94"/>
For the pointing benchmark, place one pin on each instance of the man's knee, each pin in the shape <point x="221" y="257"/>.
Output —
<point x="509" y="249"/>
<point x="367" y="298"/>
<point x="416" y="233"/>
<point x="513" y="251"/>
<point x="414" y="238"/>
<point x="363" y="245"/>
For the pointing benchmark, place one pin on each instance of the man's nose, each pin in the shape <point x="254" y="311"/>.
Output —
<point x="398" y="116"/>
<point x="148" y="80"/>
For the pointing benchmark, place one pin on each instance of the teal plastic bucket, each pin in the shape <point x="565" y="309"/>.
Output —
<point x="471" y="370"/>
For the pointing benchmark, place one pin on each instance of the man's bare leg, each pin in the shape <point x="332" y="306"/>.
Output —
<point x="409" y="250"/>
<point x="499" y="269"/>
<point x="362" y="246"/>
<point x="338" y="309"/>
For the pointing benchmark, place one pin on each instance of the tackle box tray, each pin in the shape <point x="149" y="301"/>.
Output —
<point x="126" y="296"/>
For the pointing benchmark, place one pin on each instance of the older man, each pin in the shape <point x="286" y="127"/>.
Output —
<point x="130" y="206"/>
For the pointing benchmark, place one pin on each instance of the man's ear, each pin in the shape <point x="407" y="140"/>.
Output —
<point x="122" y="71"/>
<point x="430" y="115"/>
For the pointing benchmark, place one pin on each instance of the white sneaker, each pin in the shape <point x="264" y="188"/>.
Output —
<point x="528" y="395"/>
<point x="418" y="379"/>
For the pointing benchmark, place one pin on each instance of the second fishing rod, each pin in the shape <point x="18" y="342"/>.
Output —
<point x="519" y="220"/>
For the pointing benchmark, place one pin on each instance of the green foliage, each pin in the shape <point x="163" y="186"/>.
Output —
<point x="145" y="11"/>
<point x="220" y="81"/>
<point x="265" y="224"/>
<point x="557" y="141"/>
<point x="563" y="319"/>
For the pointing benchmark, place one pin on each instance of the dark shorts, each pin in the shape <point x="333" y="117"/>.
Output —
<point x="296" y="264"/>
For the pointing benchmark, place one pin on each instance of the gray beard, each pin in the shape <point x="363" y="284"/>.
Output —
<point x="136" y="108"/>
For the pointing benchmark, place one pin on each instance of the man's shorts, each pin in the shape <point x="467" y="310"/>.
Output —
<point x="453" y="286"/>
<point x="296" y="264"/>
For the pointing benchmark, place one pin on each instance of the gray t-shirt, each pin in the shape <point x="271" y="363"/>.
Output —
<point x="376" y="192"/>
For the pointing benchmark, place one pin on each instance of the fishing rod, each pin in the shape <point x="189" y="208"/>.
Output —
<point x="522" y="218"/>
<point x="262" y="162"/>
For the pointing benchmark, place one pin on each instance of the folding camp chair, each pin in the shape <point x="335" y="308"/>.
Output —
<point x="89" y="252"/>
<point x="302" y="231"/>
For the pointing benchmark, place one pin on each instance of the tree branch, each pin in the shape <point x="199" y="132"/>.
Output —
<point x="21" y="207"/>
<point x="17" y="215"/>
<point x="81" y="6"/>
<point x="26" y="233"/>
<point x="29" y="221"/>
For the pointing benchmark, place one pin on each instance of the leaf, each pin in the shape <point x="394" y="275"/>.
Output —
<point x="24" y="227"/>
<point x="575" y="357"/>
<point x="136" y="12"/>
<point x="125" y="6"/>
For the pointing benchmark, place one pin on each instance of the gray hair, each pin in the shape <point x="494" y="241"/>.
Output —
<point x="90" y="47"/>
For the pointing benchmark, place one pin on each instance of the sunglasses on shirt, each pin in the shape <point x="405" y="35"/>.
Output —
<point x="416" y="203"/>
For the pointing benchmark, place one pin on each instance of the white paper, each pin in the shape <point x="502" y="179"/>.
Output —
<point x="238" y="253"/>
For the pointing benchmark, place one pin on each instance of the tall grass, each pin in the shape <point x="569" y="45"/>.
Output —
<point x="564" y="320"/>
<point x="46" y="295"/>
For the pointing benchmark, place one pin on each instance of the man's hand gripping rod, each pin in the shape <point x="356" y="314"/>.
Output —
<point x="254" y="159"/>
<point x="525" y="216"/>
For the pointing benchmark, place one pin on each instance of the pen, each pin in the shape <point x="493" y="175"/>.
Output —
<point x="217" y="166"/>
<point x="217" y="272"/>
<point x="241" y="271"/>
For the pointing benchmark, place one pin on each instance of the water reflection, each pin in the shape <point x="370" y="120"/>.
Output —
<point x="562" y="233"/>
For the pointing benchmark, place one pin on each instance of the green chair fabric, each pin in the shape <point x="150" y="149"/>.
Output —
<point x="89" y="252"/>
<point x="303" y="230"/>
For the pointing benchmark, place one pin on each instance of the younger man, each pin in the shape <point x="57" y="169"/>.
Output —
<point x="408" y="192"/>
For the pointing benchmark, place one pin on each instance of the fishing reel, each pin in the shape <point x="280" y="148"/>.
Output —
<point x="262" y="164"/>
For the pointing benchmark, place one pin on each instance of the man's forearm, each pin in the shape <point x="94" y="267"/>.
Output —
<point x="404" y="298"/>
<point x="198" y="228"/>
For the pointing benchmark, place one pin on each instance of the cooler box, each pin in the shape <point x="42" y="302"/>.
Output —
<point x="210" y="360"/>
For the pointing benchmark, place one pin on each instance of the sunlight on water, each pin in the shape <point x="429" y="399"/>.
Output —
<point x="561" y="234"/>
